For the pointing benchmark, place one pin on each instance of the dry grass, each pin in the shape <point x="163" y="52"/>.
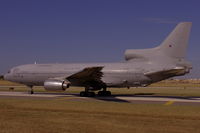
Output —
<point x="8" y="83"/>
<point x="51" y="115"/>
<point x="55" y="116"/>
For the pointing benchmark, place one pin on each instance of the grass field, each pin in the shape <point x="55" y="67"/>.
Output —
<point x="51" y="115"/>
<point x="55" y="116"/>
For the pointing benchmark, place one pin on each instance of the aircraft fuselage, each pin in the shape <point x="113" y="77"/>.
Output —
<point x="114" y="74"/>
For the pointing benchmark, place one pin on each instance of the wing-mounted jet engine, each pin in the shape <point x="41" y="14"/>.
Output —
<point x="56" y="84"/>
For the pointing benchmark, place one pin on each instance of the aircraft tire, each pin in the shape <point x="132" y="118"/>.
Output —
<point x="108" y="93"/>
<point x="82" y="93"/>
<point x="104" y="93"/>
<point x="30" y="92"/>
<point x="100" y="93"/>
<point x="87" y="94"/>
<point x="91" y="94"/>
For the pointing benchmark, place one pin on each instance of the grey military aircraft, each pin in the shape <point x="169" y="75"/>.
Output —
<point x="141" y="68"/>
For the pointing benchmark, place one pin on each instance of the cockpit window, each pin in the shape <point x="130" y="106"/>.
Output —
<point x="13" y="70"/>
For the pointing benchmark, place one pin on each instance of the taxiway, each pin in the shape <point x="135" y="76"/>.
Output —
<point x="138" y="99"/>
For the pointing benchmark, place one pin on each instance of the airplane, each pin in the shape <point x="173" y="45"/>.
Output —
<point x="141" y="67"/>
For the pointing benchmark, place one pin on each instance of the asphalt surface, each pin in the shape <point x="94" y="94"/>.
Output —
<point x="137" y="99"/>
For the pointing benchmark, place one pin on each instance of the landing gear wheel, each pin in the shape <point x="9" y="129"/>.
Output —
<point x="91" y="94"/>
<point x="108" y="93"/>
<point x="87" y="94"/>
<point x="104" y="93"/>
<point x="100" y="93"/>
<point x="31" y="92"/>
<point x="82" y="93"/>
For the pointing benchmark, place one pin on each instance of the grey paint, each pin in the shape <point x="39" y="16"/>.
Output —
<point x="142" y="67"/>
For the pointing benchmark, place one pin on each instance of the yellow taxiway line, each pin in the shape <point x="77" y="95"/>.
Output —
<point x="169" y="103"/>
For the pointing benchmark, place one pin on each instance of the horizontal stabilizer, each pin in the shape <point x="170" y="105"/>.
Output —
<point x="163" y="74"/>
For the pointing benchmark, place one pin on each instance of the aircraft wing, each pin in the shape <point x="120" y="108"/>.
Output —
<point x="90" y="76"/>
<point x="177" y="71"/>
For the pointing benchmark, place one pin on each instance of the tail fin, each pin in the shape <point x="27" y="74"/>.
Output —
<point x="175" y="44"/>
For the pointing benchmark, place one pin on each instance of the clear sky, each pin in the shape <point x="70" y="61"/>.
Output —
<point x="63" y="31"/>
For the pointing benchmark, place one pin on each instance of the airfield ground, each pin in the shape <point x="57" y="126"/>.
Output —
<point x="55" y="115"/>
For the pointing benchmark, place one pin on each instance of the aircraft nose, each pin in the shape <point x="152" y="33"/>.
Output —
<point x="8" y="77"/>
<point x="5" y="77"/>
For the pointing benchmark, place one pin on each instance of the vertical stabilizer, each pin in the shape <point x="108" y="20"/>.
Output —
<point x="175" y="44"/>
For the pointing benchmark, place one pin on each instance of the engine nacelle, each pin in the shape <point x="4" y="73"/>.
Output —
<point x="56" y="85"/>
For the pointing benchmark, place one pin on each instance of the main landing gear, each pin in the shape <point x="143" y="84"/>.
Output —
<point x="87" y="93"/>
<point x="104" y="92"/>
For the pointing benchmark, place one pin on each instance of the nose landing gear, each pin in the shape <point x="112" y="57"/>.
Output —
<point x="30" y="91"/>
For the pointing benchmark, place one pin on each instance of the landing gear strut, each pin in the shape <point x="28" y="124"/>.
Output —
<point x="104" y="92"/>
<point x="30" y="91"/>
<point x="86" y="93"/>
